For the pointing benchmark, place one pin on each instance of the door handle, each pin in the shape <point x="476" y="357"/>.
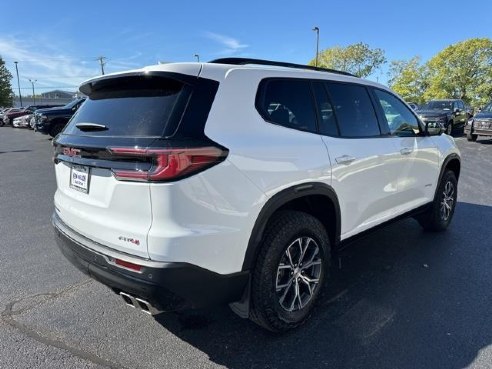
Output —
<point x="406" y="151"/>
<point x="345" y="159"/>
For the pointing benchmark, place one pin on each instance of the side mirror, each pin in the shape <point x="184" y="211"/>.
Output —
<point x="433" y="129"/>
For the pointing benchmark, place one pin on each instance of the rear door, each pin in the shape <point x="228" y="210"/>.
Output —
<point x="102" y="192"/>
<point x="365" y="163"/>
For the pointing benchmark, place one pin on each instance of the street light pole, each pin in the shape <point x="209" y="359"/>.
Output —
<point x="33" y="95"/>
<point x="18" y="84"/>
<point x="316" y="29"/>
<point x="197" y="58"/>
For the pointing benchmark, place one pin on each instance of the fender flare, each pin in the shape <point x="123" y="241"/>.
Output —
<point x="276" y="202"/>
<point x="444" y="165"/>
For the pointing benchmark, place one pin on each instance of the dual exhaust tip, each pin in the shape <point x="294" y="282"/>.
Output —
<point x="138" y="303"/>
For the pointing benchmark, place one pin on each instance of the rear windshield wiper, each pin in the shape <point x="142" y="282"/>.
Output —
<point x="91" y="127"/>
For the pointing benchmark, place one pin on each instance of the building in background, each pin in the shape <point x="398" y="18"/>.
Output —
<point x="55" y="97"/>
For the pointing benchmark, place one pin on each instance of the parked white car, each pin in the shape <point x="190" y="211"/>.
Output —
<point x="191" y="184"/>
<point x="22" y="121"/>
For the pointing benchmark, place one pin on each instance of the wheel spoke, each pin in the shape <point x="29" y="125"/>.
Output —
<point x="311" y="259"/>
<point x="311" y="264"/>
<point x="289" y="257"/>
<point x="284" y="295"/>
<point x="287" y="284"/>
<point x="304" y="244"/>
<point x="310" y="280"/>
<point x="308" y="285"/>
<point x="285" y="266"/>
<point x="298" y="295"/>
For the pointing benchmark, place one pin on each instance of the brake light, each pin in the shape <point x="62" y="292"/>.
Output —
<point x="168" y="164"/>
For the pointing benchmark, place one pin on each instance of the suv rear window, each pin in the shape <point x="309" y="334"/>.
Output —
<point x="135" y="106"/>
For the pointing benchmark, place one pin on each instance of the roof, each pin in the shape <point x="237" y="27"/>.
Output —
<point x="220" y="68"/>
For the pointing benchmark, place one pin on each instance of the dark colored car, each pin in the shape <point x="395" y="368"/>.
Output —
<point x="450" y="113"/>
<point x="480" y="125"/>
<point x="52" y="121"/>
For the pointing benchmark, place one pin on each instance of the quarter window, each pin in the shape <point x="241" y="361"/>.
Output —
<point x="354" y="110"/>
<point x="289" y="103"/>
<point x="400" y="119"/>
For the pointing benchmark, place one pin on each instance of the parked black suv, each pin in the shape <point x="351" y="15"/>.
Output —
<point x="52" y="121"/>
<point x="450" y="113"/>
<point x="480" y="125"/>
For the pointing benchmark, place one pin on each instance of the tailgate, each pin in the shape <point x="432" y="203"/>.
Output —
<point x="113" y="213"/>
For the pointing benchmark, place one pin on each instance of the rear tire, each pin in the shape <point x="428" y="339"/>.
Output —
<point x="57" y="128"/>
<point x="471" y="137"/>
<point x="449" y="129"/>
<point x="438" y="217"/>
<point x="289" y="272"/>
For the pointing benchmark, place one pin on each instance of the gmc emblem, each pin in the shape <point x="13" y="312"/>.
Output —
<point x="69" y="151"/>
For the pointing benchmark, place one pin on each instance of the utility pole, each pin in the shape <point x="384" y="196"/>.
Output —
<point x="18" y="84"/>
<point x="316" y="29"/>
<point x="102" y="62"/>
<point x="33" y="81"/>
<point x="197" y="58"/>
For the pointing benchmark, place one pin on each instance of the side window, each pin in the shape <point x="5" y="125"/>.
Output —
<point x="461" y="105"/>
<point x="353" y="109"/>
<point x="289" y="103"/>
<point x="400" y="119"/>
<point x="328" y="122"/>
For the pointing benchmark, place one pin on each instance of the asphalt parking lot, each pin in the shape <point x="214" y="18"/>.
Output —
<point x="403" y="298"/>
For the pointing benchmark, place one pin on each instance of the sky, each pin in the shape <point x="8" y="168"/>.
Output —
<point x="57" y="43"/>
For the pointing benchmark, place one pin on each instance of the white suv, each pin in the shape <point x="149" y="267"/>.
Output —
<point x="186" y="185"/>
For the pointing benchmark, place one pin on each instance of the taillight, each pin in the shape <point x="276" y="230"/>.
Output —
<point x="168" y="164"/>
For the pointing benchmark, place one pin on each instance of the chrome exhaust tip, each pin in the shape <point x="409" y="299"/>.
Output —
<point x="128" y="299"/>
<point x="138" y="303"/>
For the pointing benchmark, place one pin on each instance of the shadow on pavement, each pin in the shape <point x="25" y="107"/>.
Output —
<point x="404" y="298"/>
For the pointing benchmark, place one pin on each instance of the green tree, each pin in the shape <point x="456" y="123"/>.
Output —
<point x="462" y="70"/>
<point x="408" y="78"/>
<point x="6" y="94"/>
<point x="358" y="59"/>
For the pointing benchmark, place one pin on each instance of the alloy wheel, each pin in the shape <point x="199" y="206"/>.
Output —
<point x="447" y="201"/>
<point x="298" y="274"/>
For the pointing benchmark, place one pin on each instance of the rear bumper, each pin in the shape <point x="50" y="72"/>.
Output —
<point x="167" y="286"/>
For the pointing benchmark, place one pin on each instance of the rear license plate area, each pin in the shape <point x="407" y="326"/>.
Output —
<point x="80" y="177"/>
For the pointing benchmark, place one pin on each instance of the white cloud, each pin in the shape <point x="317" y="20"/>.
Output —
<point x="232" y="45"/>
<point x="51" y="68"/>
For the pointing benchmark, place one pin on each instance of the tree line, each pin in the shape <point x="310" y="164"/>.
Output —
<point x="462" y="70"/>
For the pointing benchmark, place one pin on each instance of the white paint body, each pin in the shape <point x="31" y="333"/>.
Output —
<point x="207" y="219"/>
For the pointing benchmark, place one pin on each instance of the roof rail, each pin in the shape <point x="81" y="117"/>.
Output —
<point x="245" y="61"/>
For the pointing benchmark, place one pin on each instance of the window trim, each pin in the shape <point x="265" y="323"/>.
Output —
<point x="318" y="110"/>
